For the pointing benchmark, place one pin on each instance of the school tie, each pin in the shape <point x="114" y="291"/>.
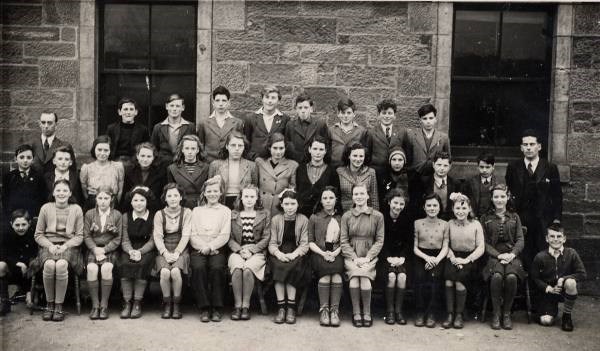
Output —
<point x="46" y="147"/>
<point x="530" y="169"/>
<point x="486" y="181"/>
<point x="443" y="185"/>
<point x="388" y="135"/>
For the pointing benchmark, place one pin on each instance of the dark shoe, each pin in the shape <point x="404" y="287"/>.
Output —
<point x="103" y="313"/>
<point x="95" y="313"/>
<point x="245" y="314"/>
<point x="477" y="316"/>
<point x="280" y="317"/>
<point x="58" y="315"/>
<point x="567" y="322"/>
<point x="324" y="319"/>
<point x="136" y="309"/>
<point x="290" y="317"/>
<point x="430" y="323"/>
<point x="448" y="322"/>
<point x="126" y="311"/>
<point x="357" y="321"/>
<point x="367" y="321"/>
<point x="496" y="321"/>
<point x="176" y="310"/>
<point x="205" y="316"/>
<point x="334" y="316"/>
<point x="506" y="322"/>
<point x="167" y="312"/>
<point x="420" y="321"/>
<point x="458" y="321"/>
<point x="216" y="315"/>
<point x="48" y="312"/>
<point x="389" y="318"/>
<point x="4" y="307"/>
<point x="236" y="314"/>
<point x="400" y="319"/>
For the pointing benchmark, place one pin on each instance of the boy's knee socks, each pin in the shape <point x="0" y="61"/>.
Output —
<point x="461" y="299"/>
<point x="569" y="303"/>
<point x="450" y="299"/>
<point x="139" y="289"/>
<point x="127" y="289"/>
<point x="324" y="294"/>
<point x="93" y="287"/>
<point x="106" y="288"/>
<point x="389" y="299"/>
<point x="510" y="290"/>
<point x="399" y="300"/>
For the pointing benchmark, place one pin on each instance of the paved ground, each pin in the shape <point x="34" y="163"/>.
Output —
<point x="20" y="331"/>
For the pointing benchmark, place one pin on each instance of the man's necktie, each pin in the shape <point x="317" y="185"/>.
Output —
<point x="530" y="169"/>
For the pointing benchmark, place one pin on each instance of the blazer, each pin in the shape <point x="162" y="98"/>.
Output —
<point x="297" y="137"/>
<point x="547" y="199"/>
<point x="156" y="180"/>
<point x="74" y="184"/>
<point x="261" y="230"/>
<point x="109" y="240"/>
<point x="452" y="185"/>
<point x="380" y="146"/>
<point x="272" y="181"/>
<point x="309" y="194"/>
<point x="191" y="183"/>
<point x="419" y="156"/>
<point x="473" y="189"/>
<point x="366" y="175"/>
<point x="42" y="163"/>
<point x="139" y="134"/>
<point x="248" y="173"/>
<point x="339" y="140"/>
<point x="160" y="139"/>
<point x="301" y="231"/>
<point x="257" y="134"/>
<point x="213" y="138"/>
<point x="28" y="193"/>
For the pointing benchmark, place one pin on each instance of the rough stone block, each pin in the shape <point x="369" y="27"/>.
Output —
<point x="364" y="98"/>
<point x="422" y="17"/>
<point x="229" y="15"/>
<point x="366" y="77"/>
<point x="586" y="52"/>
<point x="30" y="33"/>
<point x="20" y="15"/>
<point x="13" y="138"/>
<point x="68" y="34"/>
<point x="573" y="224"/>
<point x="585" y="173"/>
<point x="244" y="102"/>
<point x="585" y="84"/>
<point x="256" y="90"/>
<point x="374" y="39"/>
<point x="575" y="190"/>
<point x="591" y="225"/>
<point x="336" y="9"/>
<point x="410" y="53"/>
<point x="587" y="19"/>
<point x="50" y="49"/>
<point x="5" y="98"/>
<point x="19" y="76"/>
<point x="233" y="76"/>
<point x="11" y="52"/>
<point x="581" y="206"/>
<point x="376" y="25"/>
<point x="274" y="73"/>
<point x="415" y="82"/>
<point x="593" y="192"/>
<point x="278" y="8"/>
<point x="326" y="53"/>
<point x="49" y="98"/>
<point x="300" y="29"/>
<point x="255" y="52"/>
<point x="325" y="99"/>
<point x="407" y="110"/>
<point x="61" y="12"/>
<point x="242" y="35"/>
<point x="289" y="53"/>
<point x="59" y="74"/>
<point x="28" y="117"/>
<point x="390" y="9"/>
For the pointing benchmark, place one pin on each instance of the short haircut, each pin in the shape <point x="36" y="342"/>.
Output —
<point x="395" y="192"/>
<point x="224" y="153"/>
<point x="20" y="213"/>
<point x="170" y="186"/>
<point x="288" y="194"/>
<point x="140" y="190"/>
<point x="221" y="90"/>
<point x="50" y="113"/>
<point x="180" y="158"/>
<point x="174" y="97"/>
<point x="127" y="100"/>
<point x="22" y="148"/>
<point x="101" y="139"/>
<point x="64" y="149"/>
<point x="433" y="196"/>
<point x="442" y="155"/>
<point x="385" y="104"/>
<point x="530" y="133"/>
<point x="272" y="139"/>
<point x="146" y="145"/>
<point x="322" y="140"/>
<point x="425" y="109"/>
<point x="301" y="98"/>
<point x="270" y="89"/>
<point x="354" y="146"/>
<point x="345" y="103"/>
<point x="63" y="182"/>
<point x="319" y="206"/>
<point x="557" y="227"/>
<point x="239" y="205"/>
<point x="212" y="181"/>
<point x="486" y="157"/>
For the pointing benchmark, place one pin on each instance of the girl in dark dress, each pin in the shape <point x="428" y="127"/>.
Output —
<point x="394" y="176"/>
<point x="137" y="259"/>
<point x="504" y="241"/>
<point x="326" y="261"/>
<point x="189" y="169"/>
<point x="288" y="246"/>
<point x="145" y="171"/>
<point x="397" y="246"/>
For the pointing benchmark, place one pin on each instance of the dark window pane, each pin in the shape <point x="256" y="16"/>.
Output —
<point x="475" y="43"/>
<point x="173" y="37"/>
<point x="163" y="86"/>
<point x="116" y="86"/>
<point x="126" y="39"/>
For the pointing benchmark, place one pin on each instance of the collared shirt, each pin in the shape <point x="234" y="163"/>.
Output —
<point x="384" y="128"/>
<point x="134" y="216"/>
<point x="357" y="212"/>
<point x="488" y="180"/>
<point x="103" y="217"/>
<point x="556" y="252"/>
<point x="24" y="174"/>
<point x="174" y="131"/>
<point x="534" y="163"/>
<point x="268" y="119"/>
<point x="339" y="125"/>
<point x="59" y="176"/>
<point x="440" y="181"/>
<point x="220" y="123"/>
<point x="50" y="139"/>
<point x="315" y="172"/>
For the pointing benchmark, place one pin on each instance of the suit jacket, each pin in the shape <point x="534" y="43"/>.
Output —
<point x="297" y="137"/>
<point x="248" y="172"/>
<point x="261" y="230"/>
<point x="272" y="181"/>
<point x="473" y="189"/>
<point x="380" y="146"/>
<point x="74" y="184"/>
<point x="419" y="156"/>
<point x="453" y="186"/>
<point x="191" y="183"/>
<point x="156" y="180"/>
<point x="160" y="139"/>
<point x="28" y="193"/>
<point x="257" y="134"/>
<point x="213" y="138"/>
<point x="139" y="134"/>
<point x="547" y="200"/>
<point x="42" y="163"/>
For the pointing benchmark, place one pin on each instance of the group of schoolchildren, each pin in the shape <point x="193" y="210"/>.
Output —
<point x="278" y="198"/>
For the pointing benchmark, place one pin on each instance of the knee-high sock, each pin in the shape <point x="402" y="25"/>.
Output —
<point x="365" y="294"/>
<point x="434" y="303"/>
<point x="496" y="283"/>
<point x="237" y="287"/>
<point x="93" y="287"/>
<point x="389" y="299"/>
<point x="450" y="299"/>
<point x="336" y="294"/>
<point x="324" y="294"/>
<point x="127" y="289"/>
<point x="61" y="286"/>
<point x="461" y="299"/>
<point x="247" y="288"/>
<point x="355" y="297"/>
<point x="49" y="286"/>
<point x="139" y="288"/>
<point x="510" y="290"/>
<point x="106" y="288"/>
<point x="569" y="303"/>
<point x="399" y="300"/>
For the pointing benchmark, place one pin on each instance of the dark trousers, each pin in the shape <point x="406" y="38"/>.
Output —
<point x="535" y="239"/>
<point x="208" y="279"/>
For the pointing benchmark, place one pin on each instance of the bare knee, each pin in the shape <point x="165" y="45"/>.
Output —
<point x="62" y="266"/>
<point x="401" y="280"/>
<point x="3" y="268"/>
<point x="336" y="278"/>
<point x="460" y="286"/>
<point x="165" y="274"/>
<point x="92" y="272"/>
<point x="449" y="283"/>
<point x="175" y="274"/>
<point x="365" y="283"/>
<point x="106" y="271"/>
<point x="354" y="282"/>
<point x="325" y="279"/>
<point x="547" y="320"/>
<point x="391" y="280"/>
<point x="570" y="286"/>
<point x="50" y="266"/>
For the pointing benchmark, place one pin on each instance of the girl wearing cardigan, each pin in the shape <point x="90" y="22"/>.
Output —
<point x="211" y="226"/>
<point x="250" y="233"/>
<point x="171" y="235"/>
<point x="287" y="246"/>
<point x="189" y="169"/>
<point x="355" y="171"/>
<point x="102" y="236"/>
<point x="59" y="232"/>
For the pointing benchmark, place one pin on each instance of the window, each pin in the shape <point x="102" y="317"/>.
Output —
<point x="501" y="66"/>
<point x="147" y="52"/>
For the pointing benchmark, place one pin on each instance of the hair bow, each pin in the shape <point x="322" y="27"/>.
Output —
<point x="283" y="192"/>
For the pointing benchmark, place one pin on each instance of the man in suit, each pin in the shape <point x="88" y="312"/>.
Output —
<point x="300" y="131"/>
<point x="535" y="186"/>
<point x="385" y="135"/>
<point x="126" y="134"/>
<point x="477" y="188"/>
<point x="44" y="146"/>
<point x="425" y="142"/>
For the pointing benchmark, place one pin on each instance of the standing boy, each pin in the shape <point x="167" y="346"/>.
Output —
<point x="440" y="183"/>
<point x="385" y="135"/>
<point x="44" y="147"/>
<point x="300" y="131"/>
<point x="345" y="131"/>
<point x="425" y="142"/>
<point x="556" y="271"/>
<point x="266" y="121"/>
<point x="167" y="134"/>
<point x="478" y="188"/>
<point x="126" y="134"/>
<point x="214" y="131"/>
